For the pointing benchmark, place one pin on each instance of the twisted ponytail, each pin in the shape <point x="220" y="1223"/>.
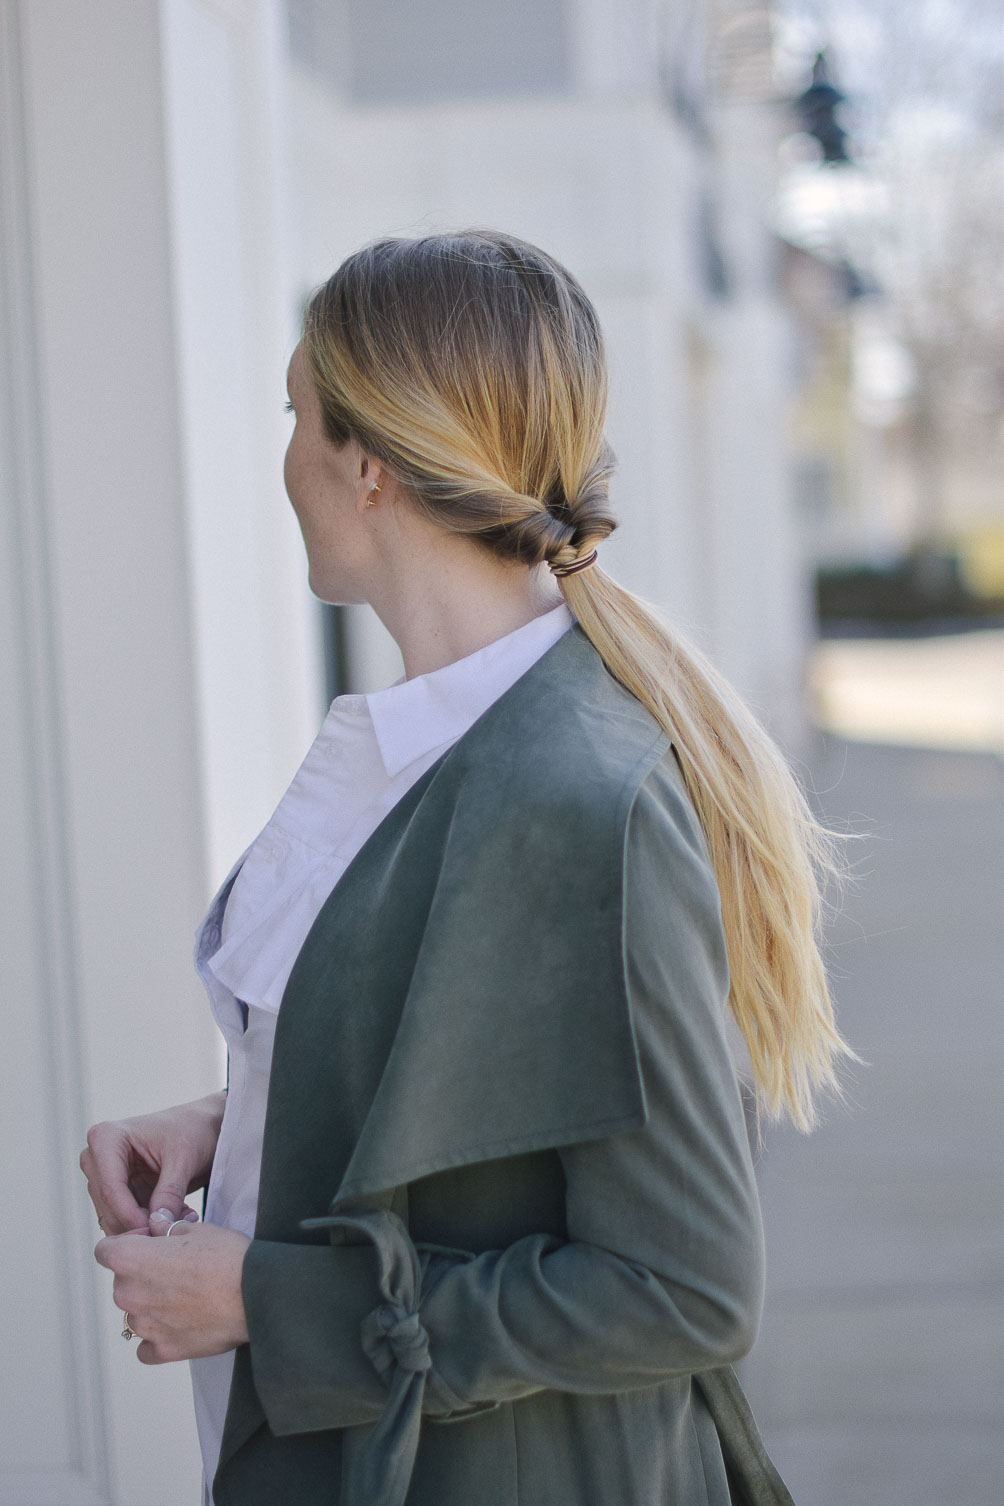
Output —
<point x="472" y="365"/>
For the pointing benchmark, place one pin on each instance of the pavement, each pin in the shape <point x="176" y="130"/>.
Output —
<point x="878" y="1376"/>
<point x="942" y="691"/>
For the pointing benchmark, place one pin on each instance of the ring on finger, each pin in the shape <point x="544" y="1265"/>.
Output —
<point x="128" y="1331"/>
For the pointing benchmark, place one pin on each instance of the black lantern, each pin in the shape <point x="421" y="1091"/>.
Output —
<point x="817" y="110"/>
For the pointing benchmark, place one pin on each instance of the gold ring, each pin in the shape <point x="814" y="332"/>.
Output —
<point x="128" y="1331"/>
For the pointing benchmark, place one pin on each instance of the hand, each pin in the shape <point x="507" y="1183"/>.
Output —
<point x="183" y="1294"/>
<point x="136" y="1167"/>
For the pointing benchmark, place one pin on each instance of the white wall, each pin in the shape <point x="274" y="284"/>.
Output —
<point x="157" y="667"/>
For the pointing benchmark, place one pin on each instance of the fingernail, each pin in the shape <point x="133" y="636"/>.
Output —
<point x="191" y="1217"/>
<point x="160" y="1215"/>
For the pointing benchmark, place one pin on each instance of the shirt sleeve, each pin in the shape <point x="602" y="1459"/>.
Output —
<point x="662" y="1270"/>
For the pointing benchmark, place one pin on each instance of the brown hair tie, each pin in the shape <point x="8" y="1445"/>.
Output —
<point x="575" y="566"/>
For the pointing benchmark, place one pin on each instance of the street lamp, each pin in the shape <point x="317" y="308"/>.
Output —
<point x="817" y="108"/>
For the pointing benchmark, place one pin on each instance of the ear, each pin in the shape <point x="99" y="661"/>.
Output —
<point x="370" y="483"/>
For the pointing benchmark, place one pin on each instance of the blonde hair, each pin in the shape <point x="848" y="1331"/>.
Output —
<point x="472" y="365"/>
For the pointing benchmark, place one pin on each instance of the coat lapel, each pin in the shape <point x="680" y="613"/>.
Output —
<point x="461" y="995"/>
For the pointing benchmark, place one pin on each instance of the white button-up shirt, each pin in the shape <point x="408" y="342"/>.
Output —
<point x="369" y="752"/>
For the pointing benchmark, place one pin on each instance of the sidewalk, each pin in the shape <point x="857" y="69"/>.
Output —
<point x="878" y="1377"/>
<point x="939" y="692"/>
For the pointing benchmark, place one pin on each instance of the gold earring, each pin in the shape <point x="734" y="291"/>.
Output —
<point x="371" y="500"/>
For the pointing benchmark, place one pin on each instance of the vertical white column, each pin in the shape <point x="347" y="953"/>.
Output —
<point x="256" y="627"/>
<point x="764" y="607"/>
<point x="144" y="330"/>
<point x="102" y="787"/>
<point x="53" y="1442"/>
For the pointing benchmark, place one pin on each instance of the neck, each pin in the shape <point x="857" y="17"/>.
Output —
<point x="444" y="603"/>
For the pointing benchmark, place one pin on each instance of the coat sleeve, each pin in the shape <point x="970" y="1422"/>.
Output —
<point x="662" y="1271"/>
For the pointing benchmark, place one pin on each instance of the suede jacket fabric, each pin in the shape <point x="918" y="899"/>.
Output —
<point x="508" y="1238"/>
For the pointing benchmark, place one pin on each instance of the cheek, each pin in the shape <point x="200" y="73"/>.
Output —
<point x="289" y="468"/>
<point x="301" y="481"/>
<point x="306" y="483"/>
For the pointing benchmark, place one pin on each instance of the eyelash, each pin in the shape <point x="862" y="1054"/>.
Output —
<point x="288" y="407"/>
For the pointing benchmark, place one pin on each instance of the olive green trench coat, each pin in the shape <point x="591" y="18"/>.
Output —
<point x="508" y="1238"/>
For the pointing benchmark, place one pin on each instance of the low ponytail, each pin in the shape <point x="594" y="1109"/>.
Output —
<point x="472" y="364"/>
<point x="769" y="854"/>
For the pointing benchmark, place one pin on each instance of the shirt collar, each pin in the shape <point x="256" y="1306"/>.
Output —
<point x="430" y="711"/>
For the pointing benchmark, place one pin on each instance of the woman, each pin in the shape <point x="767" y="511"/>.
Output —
<point x="497" y="1239"/>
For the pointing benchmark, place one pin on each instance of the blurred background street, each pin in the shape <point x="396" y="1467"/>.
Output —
<point x="879" y="1373"/>
<point x="790" y="217"/>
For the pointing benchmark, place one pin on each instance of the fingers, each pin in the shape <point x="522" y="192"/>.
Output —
<point x="185" y="1301"/>
<point x="148" y="1164"/>
<point x="137" y="1292"/>
<point x="114" y="1252"/>
<point x="105" y="1162"/>
<point x="162" y="1219"/>
<point x="158" y="1352"/>
<point x="152" y="1348"/>
<point x="169" y="1194"/>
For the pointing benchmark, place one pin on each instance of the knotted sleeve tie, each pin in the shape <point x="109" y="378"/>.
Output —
<point x="378" y="1460"/>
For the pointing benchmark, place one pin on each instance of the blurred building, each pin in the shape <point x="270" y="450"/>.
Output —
<point x="892" y="270"/>
<point x="175" y="176"/>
